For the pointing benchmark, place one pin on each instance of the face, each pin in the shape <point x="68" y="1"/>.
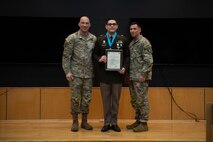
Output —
<point x="135" y="30"/>
<point x="111" y="26"/>
<point x="84" y="24"/>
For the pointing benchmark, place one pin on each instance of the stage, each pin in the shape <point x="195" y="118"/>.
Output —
<point x="49" y="130"/>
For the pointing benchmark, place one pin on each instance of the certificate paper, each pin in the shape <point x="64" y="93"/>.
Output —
<point x="114" y="59"/>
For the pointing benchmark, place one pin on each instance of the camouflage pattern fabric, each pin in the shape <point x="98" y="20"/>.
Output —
<point x="81" y="95"/>
<point x="141" y="62"/>
<point x="77" y="59"/>
<point x="77" y="55"/>
<point x="139" y="99"/>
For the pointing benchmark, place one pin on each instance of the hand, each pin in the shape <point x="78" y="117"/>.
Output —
<point x="69" y="76"/>
<point x="122" y="70"/>
<point x="103" y="59"/>
<point x="142" y="79"/>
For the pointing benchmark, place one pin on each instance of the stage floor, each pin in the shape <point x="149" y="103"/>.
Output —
<point x="59" y="130"/>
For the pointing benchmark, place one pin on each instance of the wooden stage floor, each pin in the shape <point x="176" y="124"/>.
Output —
<point x="59" y="130"/>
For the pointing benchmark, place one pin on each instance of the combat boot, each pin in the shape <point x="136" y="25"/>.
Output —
<point x="133" y="125"/>
<point x="84" y="123"/>
<point x="142" y="127"/>
<point x="75" y="122"/>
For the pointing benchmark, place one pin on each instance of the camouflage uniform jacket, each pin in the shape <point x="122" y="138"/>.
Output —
<point x="77" y="55"/>
<point x="141" y="59"/>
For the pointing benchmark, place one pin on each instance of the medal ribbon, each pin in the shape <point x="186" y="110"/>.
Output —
<point x="110" y="42"/>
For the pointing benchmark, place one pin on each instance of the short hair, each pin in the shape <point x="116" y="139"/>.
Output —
<point x="110" y="19"/>
<point x="135" y="23"/>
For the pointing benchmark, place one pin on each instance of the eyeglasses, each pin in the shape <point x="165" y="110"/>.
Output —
<point x="111" y="24"/>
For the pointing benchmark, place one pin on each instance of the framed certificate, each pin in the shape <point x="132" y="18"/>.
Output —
<point x="114" y="59"/>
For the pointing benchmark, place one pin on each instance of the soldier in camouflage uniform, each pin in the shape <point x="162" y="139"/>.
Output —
<point x="77" y="65"/>
<point x="140" y="72"/>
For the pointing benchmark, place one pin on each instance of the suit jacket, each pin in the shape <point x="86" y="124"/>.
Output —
<point x="100" y="50"/>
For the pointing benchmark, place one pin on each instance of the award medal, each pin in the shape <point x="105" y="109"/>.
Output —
<point x="110" y="42"/>
<point x="119" y="44"/>
<point x="103" y="44"/>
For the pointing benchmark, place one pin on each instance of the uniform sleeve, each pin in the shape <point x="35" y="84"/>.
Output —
<point x="148" y="58"/>
<point x="67" y="54"/>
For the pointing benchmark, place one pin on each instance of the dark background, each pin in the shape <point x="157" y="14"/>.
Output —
<point x="33" y="32"/>
<point x="34" y="39"/>
<point x="179" y="40"/>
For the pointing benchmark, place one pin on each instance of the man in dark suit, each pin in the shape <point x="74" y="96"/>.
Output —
<point x="111" y="79"/>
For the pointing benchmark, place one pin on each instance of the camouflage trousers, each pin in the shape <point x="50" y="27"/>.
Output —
<point x="139" y="99"/>
<point x="81" y="94"/>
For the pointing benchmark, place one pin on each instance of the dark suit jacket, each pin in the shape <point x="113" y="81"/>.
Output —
<point x="100" y="50"/>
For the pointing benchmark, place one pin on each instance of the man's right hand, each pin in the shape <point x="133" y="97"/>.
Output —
<point x="103" y="59"/>
<point x="69" y="76"/>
